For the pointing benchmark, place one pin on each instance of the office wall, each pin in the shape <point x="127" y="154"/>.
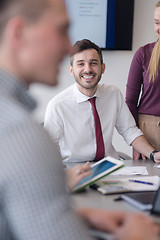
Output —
<point x="117" y="65"/>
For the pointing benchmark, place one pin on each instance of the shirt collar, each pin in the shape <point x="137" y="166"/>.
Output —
<point x="80" y="97"/>
<point x="16" y="88"/>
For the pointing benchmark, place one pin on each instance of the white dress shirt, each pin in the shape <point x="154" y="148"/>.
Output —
<point x="69" y="120"/>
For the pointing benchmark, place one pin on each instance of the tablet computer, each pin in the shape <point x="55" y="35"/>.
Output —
<point x="99" y="170"/>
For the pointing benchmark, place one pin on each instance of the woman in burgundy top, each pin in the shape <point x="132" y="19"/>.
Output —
<point x="143" y="88"/>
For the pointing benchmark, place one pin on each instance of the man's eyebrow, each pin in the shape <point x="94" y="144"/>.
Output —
<point x="93" y="59"/>
<point x="90" y="60"/>
<point x="80" y="61"/>
<point x="156" y="20"/>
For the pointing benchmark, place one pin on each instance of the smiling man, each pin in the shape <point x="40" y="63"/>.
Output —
<point x="71" y="116"/>
<point x="34" y="203"/>
<point x="87" y="75"/>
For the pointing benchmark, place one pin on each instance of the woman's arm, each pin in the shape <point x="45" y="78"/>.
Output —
<point x="134" y="83"/>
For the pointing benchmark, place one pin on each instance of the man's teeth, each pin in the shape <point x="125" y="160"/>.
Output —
<point x="88" y="77"/>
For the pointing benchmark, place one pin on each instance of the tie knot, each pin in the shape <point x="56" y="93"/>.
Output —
<point x="92" y="100"/>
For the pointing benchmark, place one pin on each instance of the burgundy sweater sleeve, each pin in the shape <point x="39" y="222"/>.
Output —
<point x="135" y="79"/>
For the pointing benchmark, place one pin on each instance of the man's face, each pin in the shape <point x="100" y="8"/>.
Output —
<point x="87" y="70"/>
<point x="45" y="43"/>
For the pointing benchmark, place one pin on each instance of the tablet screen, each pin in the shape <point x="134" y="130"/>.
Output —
<point x="96" y="170"/>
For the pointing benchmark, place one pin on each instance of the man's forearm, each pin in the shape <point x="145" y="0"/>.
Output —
<point x="142" y="146"/>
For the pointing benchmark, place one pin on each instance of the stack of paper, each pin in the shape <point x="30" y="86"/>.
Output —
<point x="140" y="170"/>
<point x="128" y="184"/>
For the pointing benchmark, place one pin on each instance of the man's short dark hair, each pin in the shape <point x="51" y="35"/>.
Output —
<point x="31" y="9"/>
<point x="82" y="45"/>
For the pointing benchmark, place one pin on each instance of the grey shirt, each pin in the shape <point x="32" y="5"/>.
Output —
<point x="33" y="202"/>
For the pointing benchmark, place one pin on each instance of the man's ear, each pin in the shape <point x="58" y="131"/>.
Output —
<point x="14" y="31"/>
<point x="70" y="69"/>
<point x="103" y="68"/>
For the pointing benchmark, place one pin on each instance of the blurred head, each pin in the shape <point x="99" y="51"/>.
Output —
<point x="34" y="38"/>
<point x="157" y="19"/>
<point x="86" y="66"/>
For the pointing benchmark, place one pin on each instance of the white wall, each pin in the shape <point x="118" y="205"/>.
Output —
<point x="117" y="65"/>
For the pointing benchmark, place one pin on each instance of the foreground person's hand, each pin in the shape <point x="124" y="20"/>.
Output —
<point x="76" y="174"/>
<point x="138" y="227"/>
<point x="103" y="220"/>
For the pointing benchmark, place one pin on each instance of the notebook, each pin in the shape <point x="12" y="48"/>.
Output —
<point x="127" y="184"/>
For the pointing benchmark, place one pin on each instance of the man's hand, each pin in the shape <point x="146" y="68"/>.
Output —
<point x="139" y="227"/>
<point x="138" y="155"/>
<point x="157" y="157"/>
<point x="103" y="220"/>
<point x="143" y="146"/>
<point x="125" y="226"/>
<point x="76" y="174"/>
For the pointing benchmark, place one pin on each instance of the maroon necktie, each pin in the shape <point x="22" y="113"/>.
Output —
<point x="99" y="137"/>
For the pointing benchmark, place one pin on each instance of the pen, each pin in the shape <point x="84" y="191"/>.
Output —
<point x="138" y="181"/>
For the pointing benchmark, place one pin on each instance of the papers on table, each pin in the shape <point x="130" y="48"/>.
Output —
<point x="137" y="186"/>
<point x="128" y="184"/>
<point x="138" y="170"/>
<point x="157" y="166"/>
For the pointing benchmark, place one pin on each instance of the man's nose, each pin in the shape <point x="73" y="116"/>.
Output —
<point x="87" y="68"/>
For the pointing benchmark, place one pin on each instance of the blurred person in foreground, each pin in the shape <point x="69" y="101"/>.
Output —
<point x="33" y="200"/>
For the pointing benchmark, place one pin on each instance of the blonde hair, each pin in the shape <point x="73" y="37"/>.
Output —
<point x="155" y="58"/>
